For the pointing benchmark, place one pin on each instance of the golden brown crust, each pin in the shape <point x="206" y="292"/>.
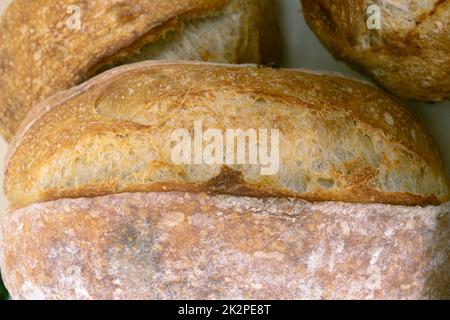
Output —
<point x="339" y="139"/>
<point x="40" y="55"/>
<point x="195" y="246"/>
<point x="409" y="55"/>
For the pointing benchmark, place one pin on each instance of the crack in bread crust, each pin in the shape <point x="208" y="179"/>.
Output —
<point x="340" y="139"/>
<point x="220" y="36"/>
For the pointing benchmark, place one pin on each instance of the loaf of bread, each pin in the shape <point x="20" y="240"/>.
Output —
<point x="48" y="46"/>
<point x="404" y="45"/>
<point x="100" y="209"/>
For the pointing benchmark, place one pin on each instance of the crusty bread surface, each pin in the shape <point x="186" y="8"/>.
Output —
<point x="100" y="210"/>
<point x="40" y="55"/>
<point x="340" y="140"/>
<point x="408" y="55"/>
<point x="198" y="246"/>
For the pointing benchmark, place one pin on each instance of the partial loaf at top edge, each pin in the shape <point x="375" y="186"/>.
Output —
<point x="40" y="42"/>
<point x="341" y="140"/>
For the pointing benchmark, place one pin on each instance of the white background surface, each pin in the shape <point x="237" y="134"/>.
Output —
<point x="303" y="50"/>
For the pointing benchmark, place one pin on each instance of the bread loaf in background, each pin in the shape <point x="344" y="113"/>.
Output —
<point x="99" y="210"/>
<point x="42" y="51"/>
<point x="407" y="54"/>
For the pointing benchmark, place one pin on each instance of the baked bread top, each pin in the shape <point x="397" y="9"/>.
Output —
<point x="408" y="53"/>
<point x="339" y="139"/>
<point x="42" y="50"/>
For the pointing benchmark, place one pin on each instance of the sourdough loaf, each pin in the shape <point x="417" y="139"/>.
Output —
<point x="45" y="49"/>
<point x="404" y="45"/>
<point x="99" y="209"/>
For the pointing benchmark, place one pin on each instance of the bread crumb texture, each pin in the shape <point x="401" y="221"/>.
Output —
<point x="409" y="55"/>
<point x="42" y="54"/>
<point x="339" y="139"/>
<point x="198" y="246"/>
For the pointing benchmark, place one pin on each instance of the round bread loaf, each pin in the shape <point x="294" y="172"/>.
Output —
<point x="48" y="46"/>
<point x="404" y="45"/>
<point x="100" y="209"/>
